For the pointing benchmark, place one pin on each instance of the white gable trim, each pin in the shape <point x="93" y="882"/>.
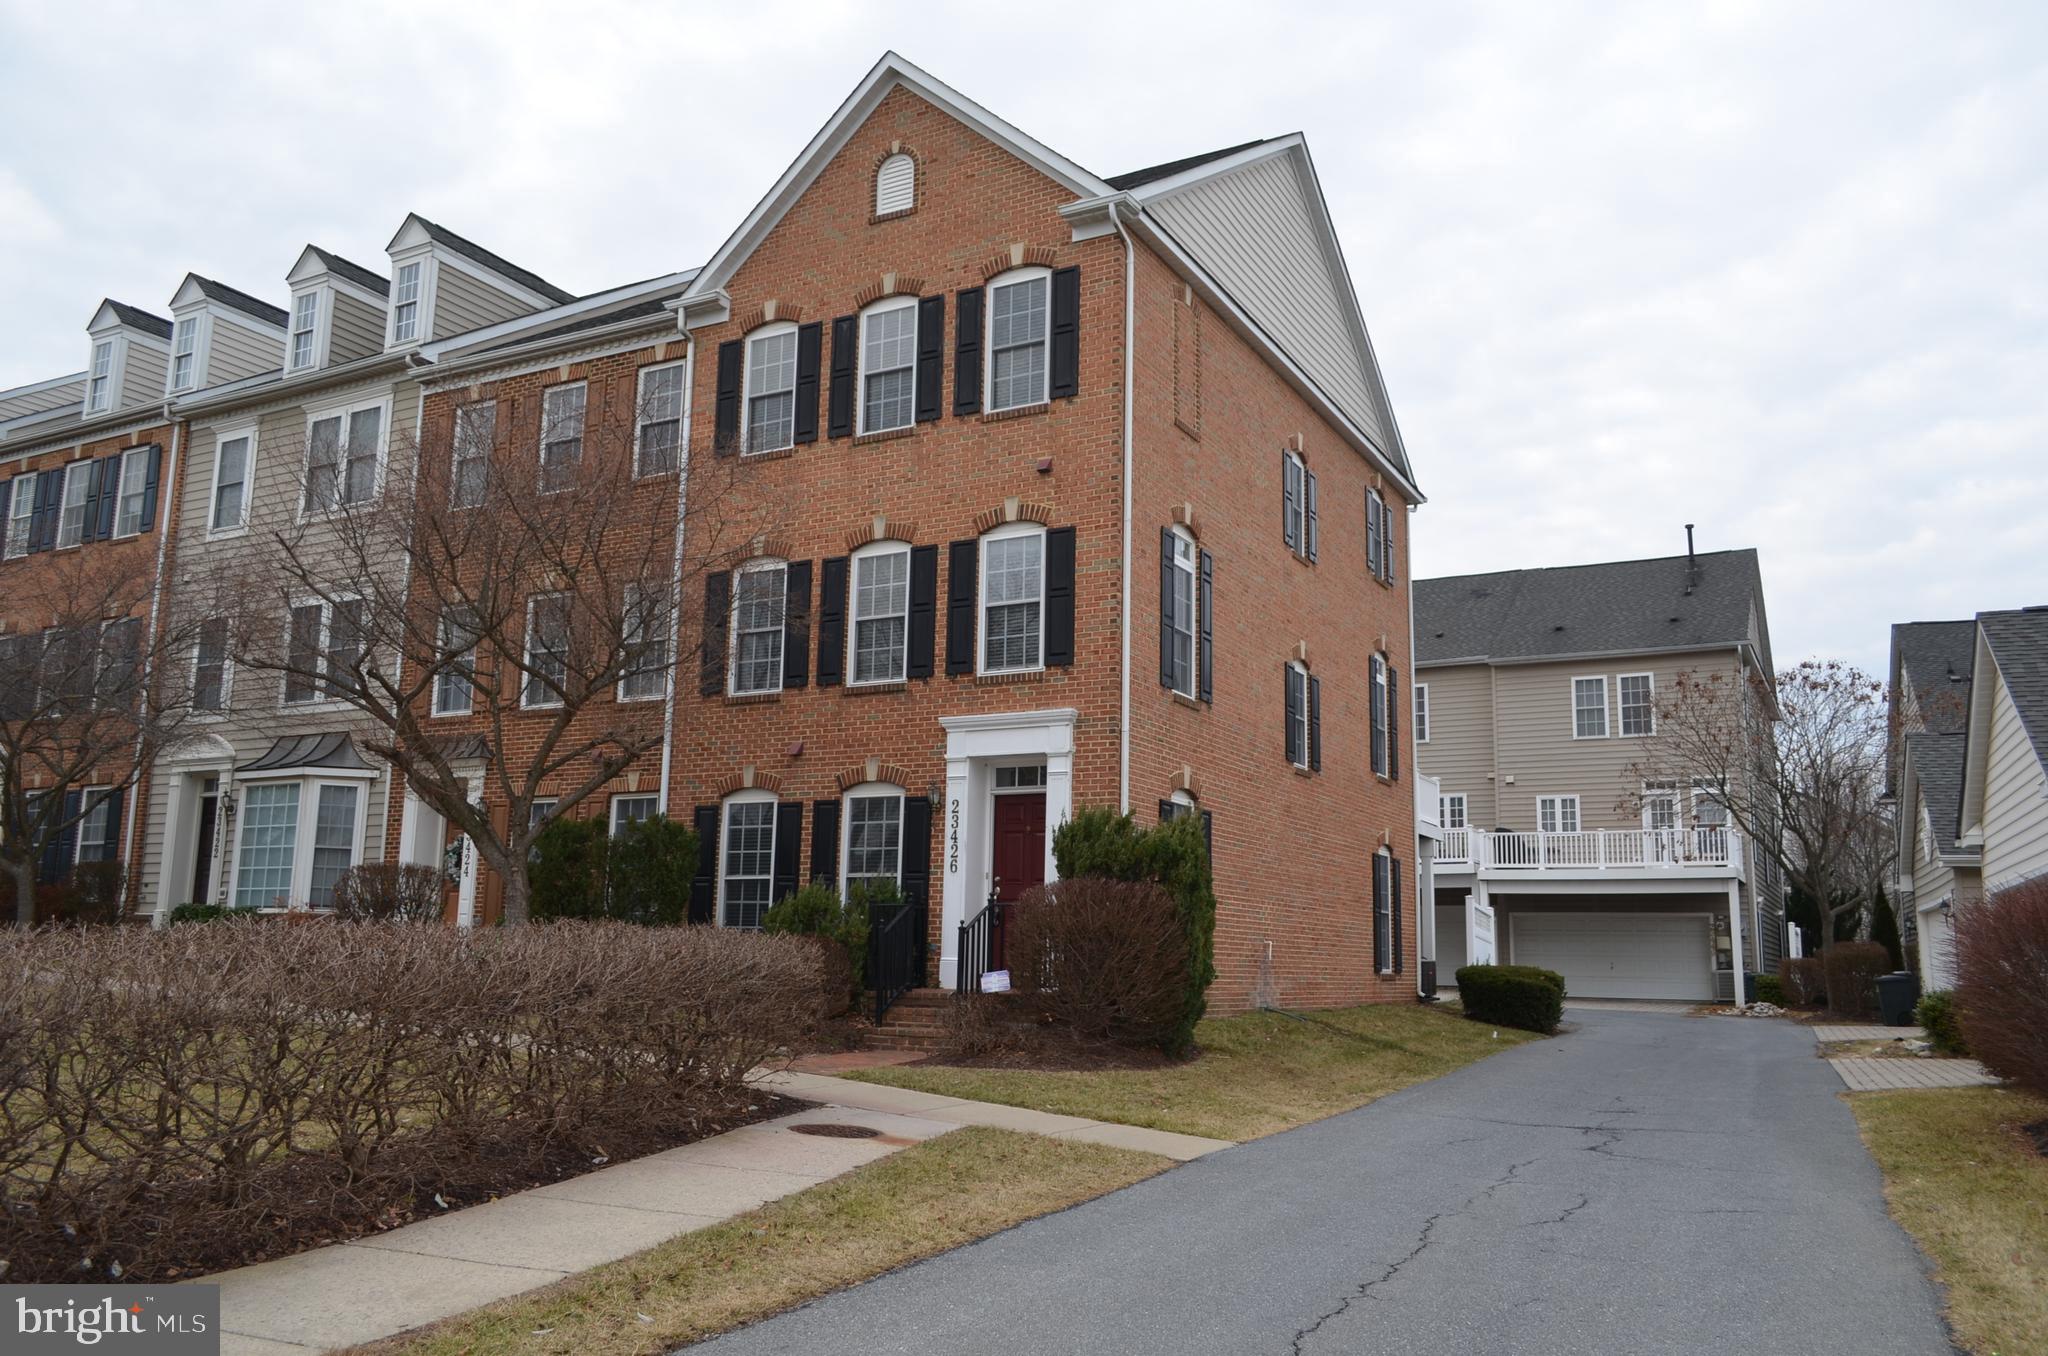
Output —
<point x="888" y="73"/>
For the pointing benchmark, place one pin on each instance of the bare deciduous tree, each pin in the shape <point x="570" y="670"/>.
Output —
<point x="1799" y="765"/>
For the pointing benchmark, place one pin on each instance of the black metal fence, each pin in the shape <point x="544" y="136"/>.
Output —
<point x="896" y="949"/>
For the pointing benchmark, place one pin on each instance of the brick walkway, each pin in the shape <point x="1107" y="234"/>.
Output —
<point x="1875" y="1075"/>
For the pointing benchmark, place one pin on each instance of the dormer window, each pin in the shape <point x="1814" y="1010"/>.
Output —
<point x="895" y="185"/>
<point x="405" y="302"/>
<point x="99" y="392"/>
<point x="185" y="354"/>
<point x="305" y="316"/>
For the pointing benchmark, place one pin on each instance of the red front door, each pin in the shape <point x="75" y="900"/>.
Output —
<point x="1019" y="855"/>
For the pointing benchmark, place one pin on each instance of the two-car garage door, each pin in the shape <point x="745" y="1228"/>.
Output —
<point x="1620" y="955"/>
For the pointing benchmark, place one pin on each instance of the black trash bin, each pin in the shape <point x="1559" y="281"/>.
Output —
<point x="1898" y="994"/>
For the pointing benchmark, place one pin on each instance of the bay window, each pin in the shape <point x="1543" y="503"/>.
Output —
<point x="295" y="840"/>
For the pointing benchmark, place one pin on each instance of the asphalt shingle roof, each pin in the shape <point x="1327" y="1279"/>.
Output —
<point x="503" y="267"/>
<point x="1938" y="764"/>
<point x="354" y="272"/>
<point x="1616" y="607"/>
<point x="135" y="318"/>
<point x="653" y="306"/>
<point x="1935" y="658"/>
<point x="1153" y="173"/>
<point x="2019" y="642"/>
<point x="242" y="301"/>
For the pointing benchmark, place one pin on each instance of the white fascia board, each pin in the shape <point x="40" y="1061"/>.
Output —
<point x="455" y="344"/>
<point x="1209" y="169"/>
<point x="51" y="384"/>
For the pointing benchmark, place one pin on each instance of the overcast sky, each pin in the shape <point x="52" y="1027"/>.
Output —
<point x="1774" y="269"/>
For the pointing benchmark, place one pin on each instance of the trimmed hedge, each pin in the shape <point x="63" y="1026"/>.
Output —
<point x="1769" y="989"/>
<point x="1852" y="969"/>
<point x="1520" y="996"/>
<point x="1804" y="982"/>
<point x="1936" y="1013"/>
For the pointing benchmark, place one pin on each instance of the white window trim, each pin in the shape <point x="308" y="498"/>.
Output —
<point x="423" y="324"/>
<point x="1299" y="464"/>
<point x="202" y="326"/>
<point x="117" y="371"/>
<point x="981" y="603"/>
<point x="137" y="457"/>
<point x="302" y="833"/>
<point x="227" y="676"/>
<point x="1419" y="713"/>
<point x="860" y="373"/>
<point x="214" y="532"/>
<point x="1606" y="714"/>
<point x="770" y="331"/>
<point x="582" y="432"/>
<point x="1443" y="810"/>
<point x="18" y="522"/>
<point x="1559" y="802"/>
<point x="667" y="650"/>
<point x="459" y="439"/>
<point x="323" y="307"/>
<point x="526" y="678"/>
<point x="732" y="628"/>
<point x="1193" y="571"/>
<point x="1307" y="721"/>
<point x="867" y="791"/>
<point x="1662" y="791"/>
<point x="881" y="170"/>
<point x="988" y="348"/>
<point x="320" y="697"/>
<point x="612" y="810"/>
<point x="1620" y="706"/>
<point x="1377" y="673"/>
<point x="64" y="494"/>
<point x="640" y="414"/>
<point x="440" y="656"/>
<point x="750" y="797"/>
<point x="345" y="411"/>
<point x="853" y="616"/>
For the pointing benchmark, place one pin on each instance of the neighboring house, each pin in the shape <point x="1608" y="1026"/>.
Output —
<point x="82" y="461"/>
<point x="1973" y="781"/>
<point x="1536" y="703"/>
<point x="1095" y="499"/>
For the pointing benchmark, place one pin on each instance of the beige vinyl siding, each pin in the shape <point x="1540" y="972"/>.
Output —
<point x="237" y="350"/>
<point x="463" y="302"/>
<point x="143" y="376"/>
<point x="34" y="402"/>
<point x="2015" y="798"/>
<point x="357" y="328"/>
<point x="1459" y="752"/>
<point x="1255" y="230"/>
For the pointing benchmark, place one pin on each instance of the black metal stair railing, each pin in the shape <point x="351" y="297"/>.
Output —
<point x="896" y="949"/>
<point x="980" y="945"/>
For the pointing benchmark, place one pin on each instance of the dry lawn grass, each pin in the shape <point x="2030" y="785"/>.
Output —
<point x="936" y="1195"/>
<point x="1256" y="1074"/>
<point x="1965" y="1179"/>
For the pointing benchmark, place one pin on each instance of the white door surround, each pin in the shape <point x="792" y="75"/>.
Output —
<point x="421" y="829"/>
<point x="177" y="784"/>
<point x="975" y="746"/>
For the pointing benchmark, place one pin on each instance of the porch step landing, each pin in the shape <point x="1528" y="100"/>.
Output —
<point x="916" y="1021"/>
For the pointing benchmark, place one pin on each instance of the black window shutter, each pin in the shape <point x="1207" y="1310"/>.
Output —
<point x="1315" y="724"/>
<point x="1066" y="333"/>
<point x="1394" y="906"/>
<point x="1387" y="543"/>
<point x="1287" y="509"/>
<point x="931" y="358"/>
<point x="704" y="885"/>
<point x="1379" y="912"/>
<point x="62" y="848"/>
<point x="1393" y="722"/>
<point x="1376" y="717"/>
<point x="1167" y="810"/>
<point x="1209" y="840"/>
<point x="825" y="842"/>
<point x="808" y="339"/>
<point x="95" y="480"/>
<point x="1059" y="597"/>
<point x="1292" y="714"/>
<point x="6" y="519"/>
<point x="1206" y="616"/>
<point x="717" y="609"/>
<point x="796" y="624"/>
<point x="42" y="523"/>
<point x="839" y="402"/>
<point x="962" y="563"/>
<point x="726" y="437"/>
<point x="832" y="622"/>
<point x="924" y="610"/>
<point x="1372" y="532"/>
<point x="789" y="854"/>
<point x="149" y="487"/>
<point x="110" y="846"/>
<point x="1310" y="516"/>
<point x="1166" y="607"/>
<point x="967" y="352"/>
<point x="916" y="857"/>
<point x="110" y="496"/>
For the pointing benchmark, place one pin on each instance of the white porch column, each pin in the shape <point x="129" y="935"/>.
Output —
<point x="955" y="855"/>
<point x="465" y="890"/>
<point x="1736" y="956"/>
<point x="174" y="862"/>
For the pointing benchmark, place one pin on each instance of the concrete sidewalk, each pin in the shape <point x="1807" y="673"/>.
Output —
<point x="389" y="1283"/>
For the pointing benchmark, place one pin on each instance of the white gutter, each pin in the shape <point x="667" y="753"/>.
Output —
<point x="1130" y="339"/>
<point x="675" y="578"/>
<point x="167" y="493"/>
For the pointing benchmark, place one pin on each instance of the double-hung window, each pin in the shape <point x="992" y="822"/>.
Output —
<point x="1709" y="805"/>
<point x="1383" y="906"/>
<point x="881" y="613"/>
<point x="1298" y="720"/>
<point x="1298" y="527"/>
<point x="476" y="431"/>
<point x="99" y="391"/>
<point x="630" y="810"/>
<point x="1378" y="698"/>
<point x="210" y="672"/>
<point x="305" y="322"/>
<point x="759" y="607"/>
<point x="1450" y="810"/>
<point x="888" y="365"/>
<point x="658" y="421"/>
<point x="874" y="836"/>
<point x="455" y="647"/>
<point x="342" y="451"/>
<point x="185" y="353"/>
<point x="1013" y="601"/>
<point x="644" y="665"/>
<point x="231" y="456"/>
<point x="334" y="840"/>
<point x="71" y="521"/>
<point x="1638" y="697"/>
<point x="133" y="491"/>
<point x="1589" y="708"/>
<point x="747" y="876"/>
<point x="771" y="389"/>
<point x="561" y="434"/>
<point x="21" y="510"/>
<point x="1557" y="814"/>
<point x="1178" y="603"/>
<point x="547" y="650"/>
<point x="1422" y="713"/>
<point x="405" y="302"/>
<point x="1660" y="805"/>
<point x="1019" y="340"/>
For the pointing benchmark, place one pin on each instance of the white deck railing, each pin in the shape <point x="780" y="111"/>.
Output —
<point x="1620" y="850"/>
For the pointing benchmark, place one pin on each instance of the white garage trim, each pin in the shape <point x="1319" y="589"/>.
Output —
<point x="1620" y="955"/>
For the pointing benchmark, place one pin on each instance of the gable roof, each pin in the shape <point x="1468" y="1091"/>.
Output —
<point x="238" y="300"/>
<point x="1937" y="763"/>
<point x="1138" y="178"/>
<point x="135" y="318"/>
<point x="1618" y="607"/>
<point x="497" y="264"/>
<point x="1934" y="658"/>
<point x="2018" y="641"/>
<point x="355" y="273"/>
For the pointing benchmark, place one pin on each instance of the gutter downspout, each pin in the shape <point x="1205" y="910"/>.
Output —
<point x="675" y="580"/>
<point x="1130" y="366"/>
<point x="1425" y="909"/>
<point x="169" y="495"/>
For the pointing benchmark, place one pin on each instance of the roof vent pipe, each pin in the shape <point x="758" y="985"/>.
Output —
<point x="1692" y="564"/>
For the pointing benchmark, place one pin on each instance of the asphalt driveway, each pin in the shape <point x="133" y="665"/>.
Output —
<point x="1645" y="1183"/>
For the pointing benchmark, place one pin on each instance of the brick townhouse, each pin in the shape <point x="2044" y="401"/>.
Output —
<point x="1091" y="496"/>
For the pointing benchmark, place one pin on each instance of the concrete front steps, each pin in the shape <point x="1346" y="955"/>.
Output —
<point x="916" y="1021"/>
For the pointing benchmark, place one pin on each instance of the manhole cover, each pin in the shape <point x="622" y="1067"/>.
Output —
<point x="832" y="1130"/>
